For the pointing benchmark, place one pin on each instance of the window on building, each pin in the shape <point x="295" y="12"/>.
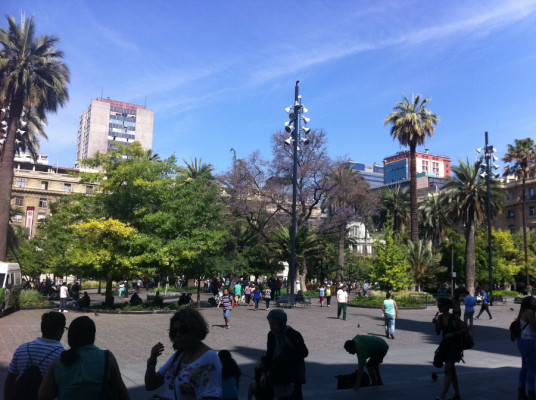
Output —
<point x="19" y="201"/>
<point x="510" y="195"/>
<point x="510" y="214"/>
<point x="532" y="211"/>
<point x="21" y="182"/>
<point x="43" y="201"/>
<point x="17" y="217"/>
<point x="41" y="216"/>
<point x="511" y="228"/>
<point x="66" y="187"/>
<point x="89" y="189"/>
<point x="44" y="185"/>
<point x="532" y="191"/>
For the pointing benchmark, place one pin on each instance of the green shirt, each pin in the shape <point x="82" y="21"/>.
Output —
<point x="367" y="346"/>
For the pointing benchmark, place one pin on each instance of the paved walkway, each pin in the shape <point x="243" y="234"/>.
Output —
<point x="490" y="371"/>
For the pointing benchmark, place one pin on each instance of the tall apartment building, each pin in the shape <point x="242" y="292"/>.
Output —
<point x="511" y="216"/>
<point x="373" y="174"/>
<point x="106" y="123"/>
<point x="430" y="165"/>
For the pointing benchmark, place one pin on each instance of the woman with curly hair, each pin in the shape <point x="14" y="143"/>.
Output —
<point x="194" y="370"/>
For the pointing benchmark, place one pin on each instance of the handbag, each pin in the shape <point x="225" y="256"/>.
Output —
<point x="347" y="381"/>
<point x="106" y="390"/>
<point x="438" y="357"/>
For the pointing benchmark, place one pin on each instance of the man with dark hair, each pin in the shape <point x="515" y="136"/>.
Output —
<point x="371" y="348"/>
<point x="228" y="303"/>
<point x="40" y="352"/>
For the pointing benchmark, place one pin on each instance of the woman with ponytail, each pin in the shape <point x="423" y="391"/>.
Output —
<point x="84" y="371"/>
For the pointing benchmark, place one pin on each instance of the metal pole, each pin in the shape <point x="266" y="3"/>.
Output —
<point x="452" y="270"/>
<point x="294" y="190"/>
<point x="490" y="255"/>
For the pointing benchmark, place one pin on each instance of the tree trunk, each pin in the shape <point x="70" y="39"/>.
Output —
<point x="525" y="247"/>
<point x="340" y="256"/>
<point x="470" y="257"/>
<point x="413" y="194"/>
<point x="6" y="173"/>
<point x="108" y="297"/>
<point x="300" y="276"/>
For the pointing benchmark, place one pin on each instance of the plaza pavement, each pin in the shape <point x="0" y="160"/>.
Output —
<point x="490" y="371"/>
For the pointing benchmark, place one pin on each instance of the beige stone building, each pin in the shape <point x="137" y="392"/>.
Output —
<point x="106" y="123"/>
<point x="36" y="186"/>
<point x="511" y="216"/>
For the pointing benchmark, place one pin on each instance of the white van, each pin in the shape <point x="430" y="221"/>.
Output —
<point x="10" y="286"/>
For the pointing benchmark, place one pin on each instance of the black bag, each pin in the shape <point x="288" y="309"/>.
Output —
<point x="438" y="357"/>
<point x="106" y="390"/>
<point x="348" y="381"/>
<point x="27" y="385"/>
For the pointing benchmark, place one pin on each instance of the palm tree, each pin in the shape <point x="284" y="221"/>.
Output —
<point x="467" y="195"/>
<point x="396" y="202"/>
<point x="434" y="217"/>
<point x="420" y="259"/>
<point x="33" y="77"/>
<point x="412" y="124"/>
<point x="195" y="168"/>
<point x="523" y="159"/>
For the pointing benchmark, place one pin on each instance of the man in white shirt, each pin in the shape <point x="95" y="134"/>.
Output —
<point x="64" y="295"/>
<point x="342" y="302"/>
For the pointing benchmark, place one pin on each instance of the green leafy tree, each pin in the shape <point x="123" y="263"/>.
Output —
<point x="411" y="124"/>
<point x="507" y="260"/>
<point x="467" y="196"/>
<point x="390" y="265"/>
<point x="421" y="260"/>
<point x="196" y="168"/>
<point x="33" y="77"/>
<point x="522" y="158"/>
<point x="105" y="248"/>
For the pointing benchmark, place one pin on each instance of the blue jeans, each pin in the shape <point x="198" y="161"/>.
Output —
<point x="389" y="320"/>
<point x="256" y="300"/>
<point x="527" y="375"/>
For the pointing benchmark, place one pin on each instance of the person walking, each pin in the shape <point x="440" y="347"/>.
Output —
<point x="469" y="312"/>
<point x="390" y="312"/>
<point x="267" y="296"/>
<point x="322" y="294"/>
<point x="257" y="296"/>
<point x="371" y="348"/>
<point x="64" y="295"/>
<point x="526" y="345"/>
<point x="285" y="358"/>
<point x="450" y="351"/>
<point x="484" y="305"/>
<point x="40" y="352"/>
<point x="342" y="302"/>
<point x="328" y="295"/>
<point x="247" y="294"/>
<point x="238" y="293"/>
<point x="228" y="302"/>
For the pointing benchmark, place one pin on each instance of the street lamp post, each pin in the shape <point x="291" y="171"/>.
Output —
<point x="293" y="126"/>
<point x="486" y="168"/>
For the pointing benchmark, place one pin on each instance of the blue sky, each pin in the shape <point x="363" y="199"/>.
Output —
<point x="218" y="74"/>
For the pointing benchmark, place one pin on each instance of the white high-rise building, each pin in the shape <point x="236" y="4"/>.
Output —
<point x="106" y="123"/>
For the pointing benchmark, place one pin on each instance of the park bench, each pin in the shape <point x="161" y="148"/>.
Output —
<point x="305" y="303"/>
<point x="285" y="300"/>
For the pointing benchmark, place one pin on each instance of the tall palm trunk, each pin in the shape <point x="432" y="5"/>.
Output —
<point x="108" y="296"/>
<point x="525" y="246"/>
<point x="413" y="194"/>
<point x="7" y="173"/>
<point x="470" y="257"/>
<point x="301" y="275"/>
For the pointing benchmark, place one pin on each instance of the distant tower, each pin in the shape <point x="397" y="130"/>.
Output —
<point x="106" y="123"/>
